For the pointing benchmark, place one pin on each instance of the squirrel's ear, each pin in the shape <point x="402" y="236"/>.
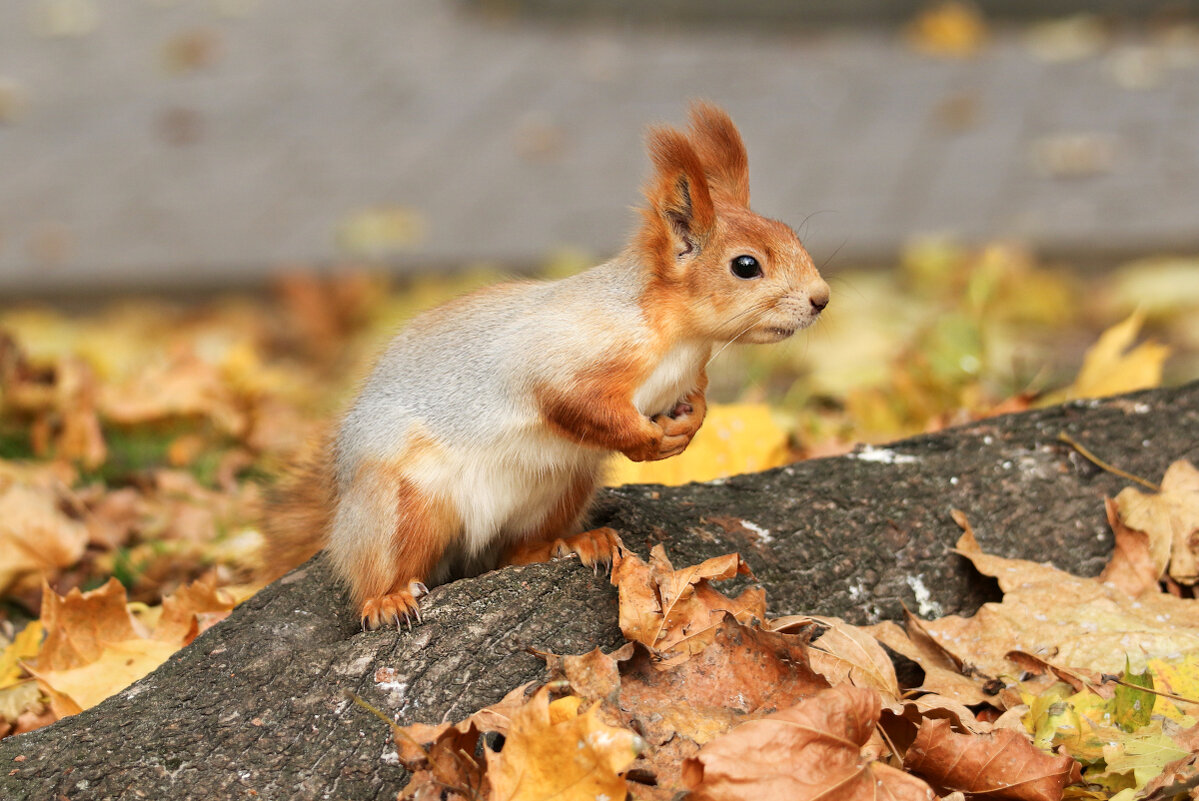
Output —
<point x="680" y="215"/>
<point x="720" y="150"/>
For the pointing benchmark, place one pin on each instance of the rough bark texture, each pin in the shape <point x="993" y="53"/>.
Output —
<point x="256" y="706"/>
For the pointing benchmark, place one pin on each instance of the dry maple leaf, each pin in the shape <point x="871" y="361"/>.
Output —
<point x="553" y="751"/>
<point x="1002" y="764"/>
<point x="942" y="674"/>
<point x="1170" y="519"/>
<point x="812" y="750"/>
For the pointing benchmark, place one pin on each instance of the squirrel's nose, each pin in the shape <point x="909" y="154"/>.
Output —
<point x="818" y="296"/>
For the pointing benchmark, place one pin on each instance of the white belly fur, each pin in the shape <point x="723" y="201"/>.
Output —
<point x="500" y="497"/>
<point x="674" y="377"/>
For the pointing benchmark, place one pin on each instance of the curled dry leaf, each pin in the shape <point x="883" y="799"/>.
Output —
<point x="1001" y="765"/>
<point x="1170" y="520"/>
<point x="901" y="720"/>
<point x="593" y="676"/>
<point x="809" y="751"/>
<point x="674" y="611"/>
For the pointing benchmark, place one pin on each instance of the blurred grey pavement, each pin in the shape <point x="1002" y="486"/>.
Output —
<point x="199" y="143"/>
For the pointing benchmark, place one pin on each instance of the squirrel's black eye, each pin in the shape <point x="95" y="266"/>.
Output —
<point x="746" y="267"/>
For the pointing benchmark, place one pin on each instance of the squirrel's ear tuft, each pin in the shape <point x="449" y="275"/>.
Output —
<point x="680" y="215"/>
<point x="721" y="151"/>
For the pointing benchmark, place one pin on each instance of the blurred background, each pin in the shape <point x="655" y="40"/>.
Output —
<point x="213" y="213"/>
<point x="192" y="144"/>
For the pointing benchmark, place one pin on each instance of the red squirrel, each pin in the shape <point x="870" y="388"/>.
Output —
<point x="480" y="437"/>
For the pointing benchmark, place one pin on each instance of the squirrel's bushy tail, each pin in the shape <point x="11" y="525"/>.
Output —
<point x="296" y="514"/>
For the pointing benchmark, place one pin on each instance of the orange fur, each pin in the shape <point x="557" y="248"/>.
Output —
<point x="425" y="526"/>
<point x="596" y="409"/>
<point x="721" y="151"/>
<point x="680" y="214"/>
<point x="298" y="509"/>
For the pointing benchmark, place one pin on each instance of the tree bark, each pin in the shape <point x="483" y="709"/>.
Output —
<point x="256" y="707"/>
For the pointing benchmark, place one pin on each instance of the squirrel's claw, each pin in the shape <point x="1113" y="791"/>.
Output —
<point x="595" y="548"/>
<point x="391" y="609"/>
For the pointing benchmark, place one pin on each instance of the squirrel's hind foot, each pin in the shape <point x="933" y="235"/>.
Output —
<point x="393" y="608"/>
<point x="594" y="548"/>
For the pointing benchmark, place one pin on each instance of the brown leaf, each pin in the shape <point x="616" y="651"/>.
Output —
<point x="1072" y="621"/>
<point x="742" y="671"/>
<point x="1078" y="678"/>
<point x="809" y="751"/>
<point x="1132" y="566"/>
<point x="673" y="611"/>
<point x="1170" y="520"/>
<point x="845" y="653"/>
<point x="902" y="719"/>
<point x="1002" y="764"/>
<point x="80" y="624"/>
<point x="190" y="611"/>
<point x="593" y="676"/>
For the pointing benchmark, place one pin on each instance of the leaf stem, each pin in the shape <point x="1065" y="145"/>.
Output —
<point x="1073" y="443"/>
<point x="1163" y="693"/>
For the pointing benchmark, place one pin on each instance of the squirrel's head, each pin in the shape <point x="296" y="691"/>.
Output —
<point x="720" y="271"/>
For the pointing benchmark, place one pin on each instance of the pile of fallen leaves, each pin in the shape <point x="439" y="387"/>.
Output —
<point x="136" y="440"/>
<point x="1070" y="687"/>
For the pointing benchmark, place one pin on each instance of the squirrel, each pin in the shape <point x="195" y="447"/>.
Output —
<point x="480" y="437"/>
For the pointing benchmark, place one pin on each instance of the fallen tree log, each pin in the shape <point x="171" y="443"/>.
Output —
<point x="256" y="707"/>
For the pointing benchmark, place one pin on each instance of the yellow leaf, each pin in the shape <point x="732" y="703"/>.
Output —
<point x="1110" y="367"/>
<point x="119" y="665"/>
<point x="24" y="646"/>
<point x="735" y="438"/>
<point x="551" y="751"/>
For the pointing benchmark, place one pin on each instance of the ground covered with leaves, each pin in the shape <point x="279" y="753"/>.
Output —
<point x="136" y="440"/>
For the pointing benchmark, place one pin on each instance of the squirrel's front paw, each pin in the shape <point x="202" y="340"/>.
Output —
<point x="677" y="432"/>
<point x="390" y="609"/>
